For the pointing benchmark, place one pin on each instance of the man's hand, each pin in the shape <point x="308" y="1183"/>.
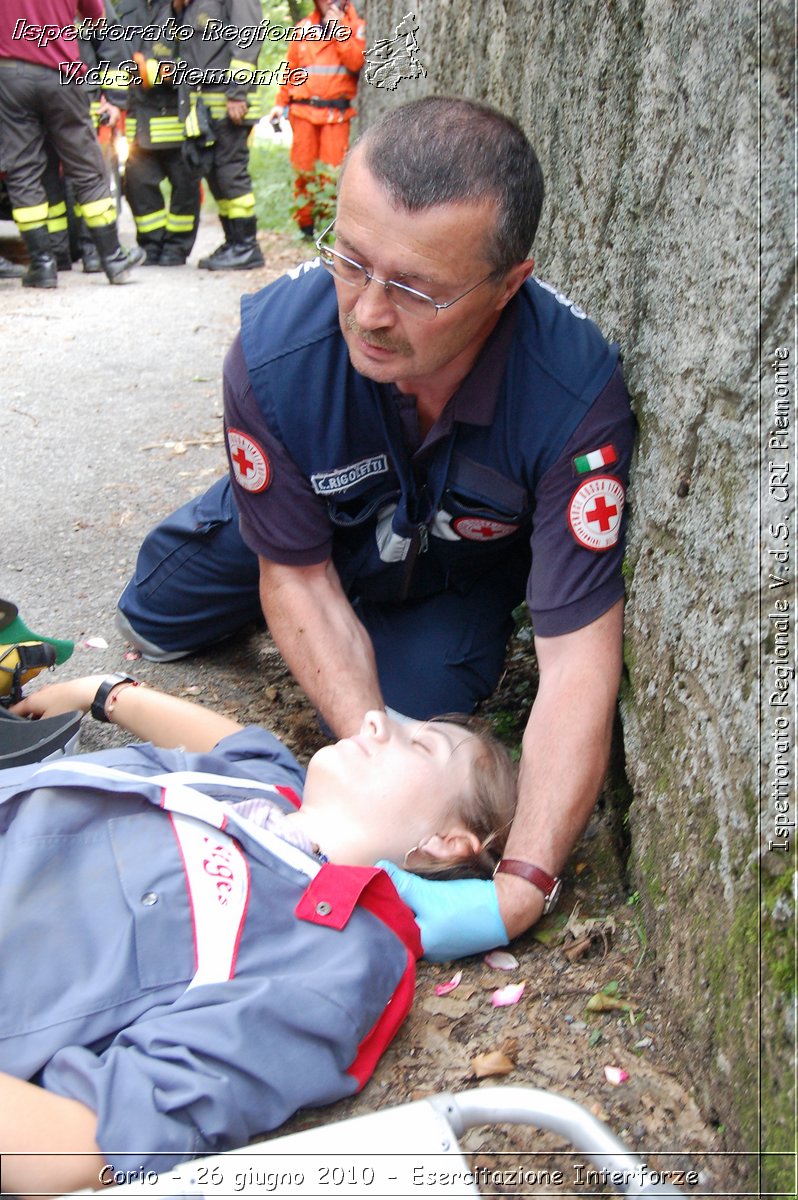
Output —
<point x="565" y="752"/>
<point x="114" y="113"/>
<point x="456" y="916"/>
<point x="236" y="110"/>
<point x="322" y="640"/>
<point x="520" y="903"/>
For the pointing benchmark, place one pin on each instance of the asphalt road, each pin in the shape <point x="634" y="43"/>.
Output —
<point x="111" y="416"/>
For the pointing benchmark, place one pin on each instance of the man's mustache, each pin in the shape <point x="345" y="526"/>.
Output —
<point x="376" y="337"/>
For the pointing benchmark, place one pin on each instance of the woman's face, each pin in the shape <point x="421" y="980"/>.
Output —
<point x="393" y="783"/>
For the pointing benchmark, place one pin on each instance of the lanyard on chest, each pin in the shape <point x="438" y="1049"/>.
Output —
<point x="403" y="530"/>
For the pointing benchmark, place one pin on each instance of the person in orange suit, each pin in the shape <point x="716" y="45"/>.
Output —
<point x="320" y="108"/>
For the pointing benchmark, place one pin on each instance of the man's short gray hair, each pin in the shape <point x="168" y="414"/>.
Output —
<point x="446" y="149"/>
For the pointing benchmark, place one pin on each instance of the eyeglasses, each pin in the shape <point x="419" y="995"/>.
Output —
<point x="416" y="304"/>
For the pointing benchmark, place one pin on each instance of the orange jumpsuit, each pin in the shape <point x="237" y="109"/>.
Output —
<point x="320" y="108"/>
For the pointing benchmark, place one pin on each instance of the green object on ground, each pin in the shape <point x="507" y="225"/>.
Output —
<point x="13" y="629"/>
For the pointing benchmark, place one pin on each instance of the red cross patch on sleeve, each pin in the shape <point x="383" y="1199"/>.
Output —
<point x="248" y="462"/>
<point x="595" y="510"/>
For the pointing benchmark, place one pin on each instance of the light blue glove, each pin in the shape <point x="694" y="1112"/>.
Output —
<point x="456" y="916"/>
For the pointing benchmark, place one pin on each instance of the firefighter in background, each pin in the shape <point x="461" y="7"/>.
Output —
<point x="155" y="137"/>
<point x="40" y="101"/>
<point x="220" y="118"/>
<point x="320" y="110"/>
<point x="104" y="56"/>
<point x="8" y="269"/>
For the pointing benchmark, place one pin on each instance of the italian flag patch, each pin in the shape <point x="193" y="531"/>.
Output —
<point x="603" y="457"/>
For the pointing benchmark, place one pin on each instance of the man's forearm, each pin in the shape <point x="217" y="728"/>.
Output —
<point x="565" y="753"/>
<point x="325" y="645"/>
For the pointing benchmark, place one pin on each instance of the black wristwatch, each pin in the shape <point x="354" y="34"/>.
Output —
<point x="104" y="691"/>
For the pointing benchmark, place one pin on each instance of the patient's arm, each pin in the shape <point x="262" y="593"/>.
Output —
<point x="151" y="715"/>
<point x="39" y="1134"/>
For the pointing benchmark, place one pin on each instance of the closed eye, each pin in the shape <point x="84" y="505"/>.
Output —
<point x="428" y="738"/>
<point x="423" y="743"/>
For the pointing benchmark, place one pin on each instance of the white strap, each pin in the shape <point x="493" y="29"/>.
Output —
<point x="217" y="880"/>
<point x="175" y="796"/>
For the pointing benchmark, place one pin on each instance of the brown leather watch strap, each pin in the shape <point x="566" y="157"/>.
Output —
<point x="549" y="885"/>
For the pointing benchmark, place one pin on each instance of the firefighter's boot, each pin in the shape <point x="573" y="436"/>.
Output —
<point x="42" y="271"/>
<point x="59" y="244"/>
<point x="240" y="252"/>
<point x="117" y="263"/>
<point x="9" y="270"/>
<point x="89" y="254"/>
<point x="209" y="259"/>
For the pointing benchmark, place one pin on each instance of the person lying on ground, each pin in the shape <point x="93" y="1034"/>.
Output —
<point x="189" y="952"/>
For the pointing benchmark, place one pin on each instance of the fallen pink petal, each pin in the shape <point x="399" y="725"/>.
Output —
<point x="132" y="656"/>
<point x="95" y="643"/>
<point x="501" y="960"/>
<point x="443" y="989"/>
<point x="507" y="995"/>
<point x="615" y="1075"/>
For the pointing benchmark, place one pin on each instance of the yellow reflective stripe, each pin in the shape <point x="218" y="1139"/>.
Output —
<point x="192" y="121"/>
<point x="166" y="129"/>
<point x="224" y="207"/>
<point x="56" y="210"/>
<point x="241" y="206"/>
<point x="99" y="212"/>
<point x="255" y="102"/>
<point x="30" y="218"/>
<point x="57" y="224"/>
<point x="116" y="79"/>
<point x="321" y="70"/>
<point x="180" y="223"/>
<point x="130" y="129"/>
<point x="243" y="69"/>
<point x="217" y="103"/>
<point x="147" y="222"/>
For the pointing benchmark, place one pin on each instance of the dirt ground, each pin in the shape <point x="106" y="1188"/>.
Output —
<point x="590" y="999"/>
<point x="590" y="995"/>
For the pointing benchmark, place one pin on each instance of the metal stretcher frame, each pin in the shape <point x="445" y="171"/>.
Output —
<point x="409" y="1150"/>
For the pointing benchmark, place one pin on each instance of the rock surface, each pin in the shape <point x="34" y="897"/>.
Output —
<point x="664" y="133"/>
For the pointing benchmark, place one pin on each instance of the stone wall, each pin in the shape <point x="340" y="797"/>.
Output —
<point x="646" y="117"/>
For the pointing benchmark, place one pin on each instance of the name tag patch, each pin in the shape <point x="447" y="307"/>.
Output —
<point x="329" y="483"/>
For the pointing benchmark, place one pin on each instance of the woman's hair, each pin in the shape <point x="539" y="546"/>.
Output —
<point x="448" y="149"/>
<point x="486" y="807"/>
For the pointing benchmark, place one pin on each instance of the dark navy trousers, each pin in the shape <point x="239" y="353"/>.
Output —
<point x="196" y="582"/>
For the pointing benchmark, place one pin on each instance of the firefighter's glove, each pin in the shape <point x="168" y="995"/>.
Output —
<point x="198" y="147"/>
<point x="456" y="916"/>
